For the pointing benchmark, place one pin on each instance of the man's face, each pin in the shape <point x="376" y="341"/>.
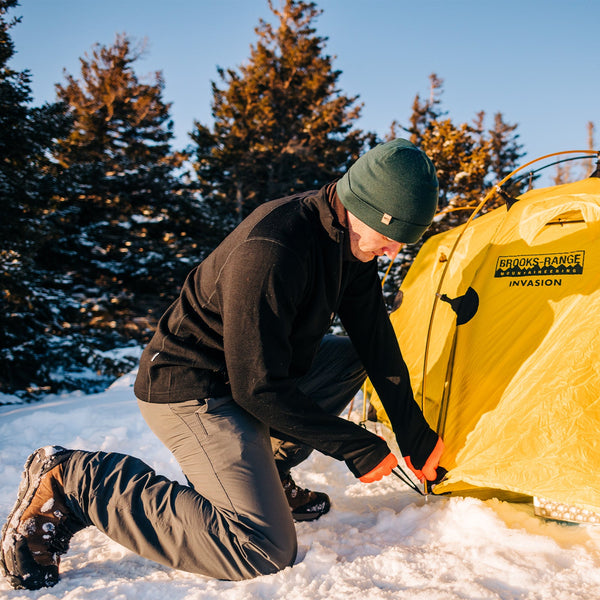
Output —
<point x="367" y="244"/>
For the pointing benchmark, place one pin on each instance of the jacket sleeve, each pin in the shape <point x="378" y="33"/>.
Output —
<point x="365" y="318"/>
<point x="260" y="288"/>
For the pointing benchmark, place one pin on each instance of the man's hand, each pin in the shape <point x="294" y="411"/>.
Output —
<point x="381" y="470"/>
<point x="429" y="470"/>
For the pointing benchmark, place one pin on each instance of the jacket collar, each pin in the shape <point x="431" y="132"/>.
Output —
<point x="333" y="217"/>
<point x="340" y="219"/>
<point x="324" y="201"/>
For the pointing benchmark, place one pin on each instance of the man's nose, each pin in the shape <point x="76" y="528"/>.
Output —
<point x="392" y="248"/>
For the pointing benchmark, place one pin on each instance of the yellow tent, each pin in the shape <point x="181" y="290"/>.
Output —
<point x="512" y="367"/>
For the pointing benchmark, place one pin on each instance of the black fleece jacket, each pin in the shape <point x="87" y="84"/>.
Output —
<point x="250" y="318"/>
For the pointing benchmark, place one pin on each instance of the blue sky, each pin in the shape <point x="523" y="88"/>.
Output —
<point x="535" y="61"/>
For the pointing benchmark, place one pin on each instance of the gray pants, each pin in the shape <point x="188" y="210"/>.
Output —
<point x="232" y="521"/>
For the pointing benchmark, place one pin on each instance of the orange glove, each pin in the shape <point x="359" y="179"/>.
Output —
<point x="429" y="470"/>
<point x="383" y="468"/>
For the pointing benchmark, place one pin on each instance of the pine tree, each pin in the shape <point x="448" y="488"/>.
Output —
<point x="27" y="137"/>
<point x="129" y="220"/>
<point x="461" y="155"/>
<point x="565" y="171"/>
<point x="280" y="123"/>
<point x="126" y="229"/>
<point x="592" y="164"/>
<point x="426" y="112"/>
<point x="468" y="160"/>
<point x="506" y="151"/>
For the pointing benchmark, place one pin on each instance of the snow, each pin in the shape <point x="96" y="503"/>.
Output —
<point x="380" y="540"/>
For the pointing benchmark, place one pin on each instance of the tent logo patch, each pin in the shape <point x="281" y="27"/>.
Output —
<point x="541" y="265"/>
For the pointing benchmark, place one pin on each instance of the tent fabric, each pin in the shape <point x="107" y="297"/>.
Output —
<point x="515" y="390"/>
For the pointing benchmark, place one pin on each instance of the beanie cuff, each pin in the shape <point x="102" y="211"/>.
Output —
<point x="393" y="189"/>
<point x="392" y="227"/>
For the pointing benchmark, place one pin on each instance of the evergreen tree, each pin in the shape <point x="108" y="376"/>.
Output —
<point x="126" y="230"/>
<point x="461" y="156"/>
<point x="468" y="158"/>
<point x="130" y="225"/>
<point x="468" y="161"/>
<point x="506" y="151"/>
<point x="280" y="123"/>
<point x="564" y="171"/>
<point x="592" y="164"/>
<point x="27" y="136"/>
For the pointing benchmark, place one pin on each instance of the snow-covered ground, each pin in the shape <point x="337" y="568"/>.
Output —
<point x="380" y="541"/>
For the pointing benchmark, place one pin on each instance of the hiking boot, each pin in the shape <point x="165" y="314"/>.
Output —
<point x="306" y="505"/>
<point x="39" y="527"/>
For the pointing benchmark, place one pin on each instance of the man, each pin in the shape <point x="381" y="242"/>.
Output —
<point x="241" y="382"/>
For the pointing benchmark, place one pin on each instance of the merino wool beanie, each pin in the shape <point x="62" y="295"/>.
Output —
<point x="393" y="189"/>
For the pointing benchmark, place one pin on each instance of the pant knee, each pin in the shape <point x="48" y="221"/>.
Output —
<point x="287" y="556"/>
<point x="266" y="557"/>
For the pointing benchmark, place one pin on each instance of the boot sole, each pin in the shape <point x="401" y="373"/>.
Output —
<point x="48" y="457"/>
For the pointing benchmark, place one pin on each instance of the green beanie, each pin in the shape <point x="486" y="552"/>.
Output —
<point x="393" y="189"/>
